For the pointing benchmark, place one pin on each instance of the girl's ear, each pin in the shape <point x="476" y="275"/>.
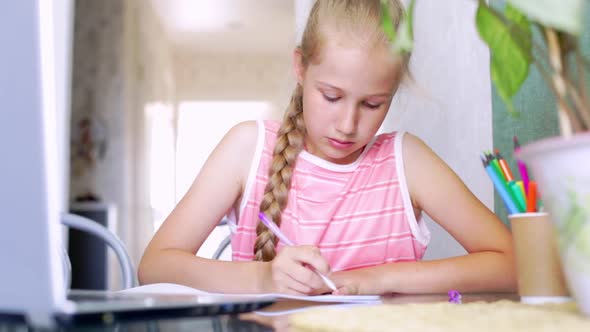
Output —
<point x="298" y="68"/>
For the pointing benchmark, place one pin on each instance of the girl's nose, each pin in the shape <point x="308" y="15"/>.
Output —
<point x="348" y="120"/>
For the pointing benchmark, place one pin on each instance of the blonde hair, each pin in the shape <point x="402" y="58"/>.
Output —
<point x="356" y="18"/>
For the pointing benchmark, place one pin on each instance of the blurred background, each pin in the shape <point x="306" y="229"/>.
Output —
<point x="155" y="85"/>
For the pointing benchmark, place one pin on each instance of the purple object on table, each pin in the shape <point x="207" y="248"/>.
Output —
<point x="454" y="296"/>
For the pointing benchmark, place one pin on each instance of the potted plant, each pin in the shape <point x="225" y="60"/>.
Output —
<point x="561" y="165"/>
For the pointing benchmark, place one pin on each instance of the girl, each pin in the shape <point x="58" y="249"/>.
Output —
<point x="352" y="201"/>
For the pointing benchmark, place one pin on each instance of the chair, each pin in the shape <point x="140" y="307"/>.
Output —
<point x="224" y="243"/>
<point x="128" y="276"/>
<point x="84" y="224"/>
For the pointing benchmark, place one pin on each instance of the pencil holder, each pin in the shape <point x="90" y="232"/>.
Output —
<point x="538" y="267"/>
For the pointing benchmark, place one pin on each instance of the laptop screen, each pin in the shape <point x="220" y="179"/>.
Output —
<point x="33" y="85"/>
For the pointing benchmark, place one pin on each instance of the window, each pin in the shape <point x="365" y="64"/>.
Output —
<point x="201" y="125"/>
<point x="160" y="156"/>
<point x="178" y="152"/>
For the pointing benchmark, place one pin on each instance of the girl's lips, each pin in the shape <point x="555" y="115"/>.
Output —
<point x="340" y="144"/>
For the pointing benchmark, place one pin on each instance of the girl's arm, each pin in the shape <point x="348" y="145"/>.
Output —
<point x="170" y="256"/>
<point x="438" y="191"/>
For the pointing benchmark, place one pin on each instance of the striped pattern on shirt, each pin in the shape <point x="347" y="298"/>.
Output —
<point x="358" y="215"/>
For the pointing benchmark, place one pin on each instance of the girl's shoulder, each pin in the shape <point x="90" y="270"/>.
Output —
<point x="243" y="134"/>
<point x="271" y="125"/>
<point x="388" y="142"/>
<point x="410" y="148"/>
<point x="249" y="136"/>
<point x="240" y="141"/>
<point x="405" y="139"/>
<point x="413" y="146"/>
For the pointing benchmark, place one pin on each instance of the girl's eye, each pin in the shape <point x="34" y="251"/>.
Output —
<point x="372" y="106"/>
<point x="331" y="98"/>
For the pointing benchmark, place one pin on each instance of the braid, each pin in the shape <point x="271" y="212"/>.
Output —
<point x="288" y="145"/>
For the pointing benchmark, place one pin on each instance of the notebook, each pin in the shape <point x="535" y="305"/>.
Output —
<point x="32" y="186"/>
<point x="167" y="288"/>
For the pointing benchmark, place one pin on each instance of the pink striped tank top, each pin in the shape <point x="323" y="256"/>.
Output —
<point x="358" y="215"/>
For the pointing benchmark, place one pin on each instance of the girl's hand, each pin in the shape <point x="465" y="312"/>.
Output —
<point x="346" y="290"/>
<point x="358" y="282"/>
<point x="292" y="271"/>
<point x="346" y="285"/>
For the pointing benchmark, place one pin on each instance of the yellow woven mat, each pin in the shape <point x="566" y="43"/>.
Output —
<point x="476" y="316"/>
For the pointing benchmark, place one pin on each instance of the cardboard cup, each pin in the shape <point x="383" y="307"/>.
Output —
<point x="538" y="267"/>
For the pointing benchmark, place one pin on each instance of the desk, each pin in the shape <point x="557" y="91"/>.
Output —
<point x="277" y="315"/>
<point x="272" y="318"/>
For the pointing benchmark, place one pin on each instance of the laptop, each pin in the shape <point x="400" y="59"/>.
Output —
<point x="33" y="145"/>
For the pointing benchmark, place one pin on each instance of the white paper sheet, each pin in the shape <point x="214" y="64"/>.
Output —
<point x="166" y="288"/>
<point x="273" y="313"/>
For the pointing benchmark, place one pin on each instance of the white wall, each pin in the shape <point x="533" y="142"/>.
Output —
<point x="236" y="77"/>
<point x="449" y="105"/>
<point x="302" y="9"/>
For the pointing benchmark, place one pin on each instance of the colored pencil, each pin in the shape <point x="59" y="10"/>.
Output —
<point x="531" y="201"/>
<point x="504" y="165"/>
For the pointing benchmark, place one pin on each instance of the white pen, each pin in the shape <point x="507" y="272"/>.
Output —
<point x="276" y="230"/>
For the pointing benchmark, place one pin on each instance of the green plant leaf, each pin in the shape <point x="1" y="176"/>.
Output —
<point x="510" y="46"/>
<point x="405" y="34"/>
<point x="520" y="28"/>
<point x="386" y="22"/>
<point x="402" y="40"/>
<point x="563" y="15"/>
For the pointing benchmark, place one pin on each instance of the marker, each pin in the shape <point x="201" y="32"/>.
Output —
<point x="531" y="201"/>
<point x="520" y="198"/>
<point x="524" y="175"/>
<point x="504" y="166"/>
<point x="277" y="231"/>
<point x="500" y="186"/>
<point x="520" y="185"/>
<point x="496" y="166"/>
